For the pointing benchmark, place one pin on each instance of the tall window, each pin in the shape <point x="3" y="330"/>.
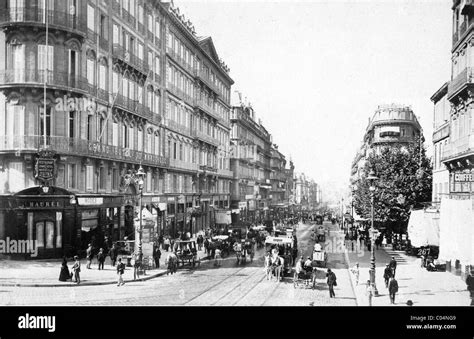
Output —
<point x="90" y="127"/>
<point x="103" y="77"/>
<point x="103" y="26"/>
<point x="102" y="177"/>
<point x="90" y="17"/>
<point x="140" y="140"/>
<point x="18" y="62"/>
<point x="89" y="177"/>
<point x="42" y="121"/>
<point x="72" y="124"/>
<point x="16" y="176"/>
<point x="45" y="59"/>
<point x="157" y="29"/>
<point x="116" y="33"/>
<point x="72" y="175"/>
<point x="91" y="71"/>
<point x="115" y="133"/>
<point x="157" y="144"/>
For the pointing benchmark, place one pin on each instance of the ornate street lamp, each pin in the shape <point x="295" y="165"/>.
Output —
<point x="372" y="178"/>
<point x="140" y="175"/>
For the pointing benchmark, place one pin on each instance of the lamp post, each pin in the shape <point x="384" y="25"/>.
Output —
<point x="140" y="174"/>
<point x="372" y="178"/>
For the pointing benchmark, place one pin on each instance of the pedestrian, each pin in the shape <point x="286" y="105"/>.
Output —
<point x="160" y="240"/>
<point x="206" y="246"/>
<point x="369" y="292"/>
<point x="470" y="285"/>
<point x="113" y="253"/>
<point x="76" y="268"/>
<point x="422" y="261"/>
<point x="89" y="256"/>
<point x="166" y="242"/>
<point x="172" y="263"/>
<point x="218" y="258"/>
<point x="356" y="272"/>
<point x="157" y="255"/>
<point x="64" y="274"/>
<point x="331" y="282"/>
<point x="101" y="258"/>
<point x="393" y="266"/>
<point x="392" y="289"/>
<point x="199" y="241"/>
<point x="136" y="267"/>
<point x="120" y="272"/>
<point x="387" y="274"/>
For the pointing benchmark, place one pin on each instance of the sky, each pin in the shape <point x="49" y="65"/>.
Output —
<point x="315" y="71"/>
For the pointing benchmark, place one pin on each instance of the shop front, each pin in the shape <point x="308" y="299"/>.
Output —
<point x="38" y="223"/>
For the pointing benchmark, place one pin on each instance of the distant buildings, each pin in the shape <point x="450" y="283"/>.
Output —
<point x="390" y="125"/>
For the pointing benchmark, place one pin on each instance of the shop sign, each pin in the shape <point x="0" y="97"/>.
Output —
<point x="45" y="167"/>
<point x="181" y="199"/>
<point x="242" y="205"/>
<point x="41" y="204"/>
<point x="249" y="196"/>
<point x="90" y="201"/>
<point x="464" y="177"/>
<point x="171" y="199"/>
<point x="155" y="199"/>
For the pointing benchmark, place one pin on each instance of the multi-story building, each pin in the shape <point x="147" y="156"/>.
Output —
<point x="390" y="125"/>
<point x="457" y="152"/>
<point x="251" y="164"/>
<point x="440" y="140"/>
<point x="93" y="90"/>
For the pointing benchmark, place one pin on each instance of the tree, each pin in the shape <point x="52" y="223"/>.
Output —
<point x="404" y="182"/>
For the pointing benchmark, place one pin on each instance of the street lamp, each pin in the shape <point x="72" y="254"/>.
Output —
<point x="372" y="178"/>
<point x="140" y="174"/>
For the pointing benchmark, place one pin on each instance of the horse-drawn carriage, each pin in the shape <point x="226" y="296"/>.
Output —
<point x="307" y="277"/>
<point x="222" y="242"/>
<point x="284" y="246"/>
<point x="243" y="249"/>
<point x="187" y="253"/>
<point x="319" y="233"/>
<point x="320" y="258"/>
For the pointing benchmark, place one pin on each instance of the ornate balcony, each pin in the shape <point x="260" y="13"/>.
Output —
<point x="69" y="146"/>
<point x="179" y="93"/>
<point x="36" y="78"/>
<point x="203" y="106"/>
<point x="206" y="168"/>
<point x="463" y="81"/>
<point x="179" y="60"/>
<point x="179" y="164"/>
<point x="134" y="107"/>
<point x="129" y="59"/>
<point x="178" y="127"/>
<point x="201" y="75"/>
<point x="204" y="137"/>
<point x="35" y="16"/>
<point x="458" y="148"/>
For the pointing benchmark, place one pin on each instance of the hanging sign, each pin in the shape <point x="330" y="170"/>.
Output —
<point x="45" y="167"/>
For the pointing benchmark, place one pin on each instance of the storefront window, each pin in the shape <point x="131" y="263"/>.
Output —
<point x="59" y="227"/>
<point x="49" y="234"/>
<point x="40" y="234"/>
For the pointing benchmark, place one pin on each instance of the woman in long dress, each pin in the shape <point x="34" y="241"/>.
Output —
<point x="64" y="275"/>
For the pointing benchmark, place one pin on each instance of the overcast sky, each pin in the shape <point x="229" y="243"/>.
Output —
<point x="315" y="71"/>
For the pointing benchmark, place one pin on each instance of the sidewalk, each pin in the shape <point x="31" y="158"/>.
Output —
<point x="423" y="288"/>
<point x="45" y="273"/>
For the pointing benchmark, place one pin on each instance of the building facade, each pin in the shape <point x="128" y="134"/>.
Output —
<point x="441" y="114"/>
<point x="90" y="92"/>
<point x="390" y="125"/>
<point x="251" y="155"/>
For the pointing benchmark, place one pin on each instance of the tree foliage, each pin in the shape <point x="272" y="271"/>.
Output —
<point x="404" y="182"/>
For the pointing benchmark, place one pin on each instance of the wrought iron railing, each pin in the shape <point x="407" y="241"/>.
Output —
<point x="56" y="18"/>
<point x="35" y="76"/>
<point x="65" y="145"/>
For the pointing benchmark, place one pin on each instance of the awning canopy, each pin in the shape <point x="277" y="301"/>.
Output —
<point x="456" y="231"/>
<point x="423" y="228"/>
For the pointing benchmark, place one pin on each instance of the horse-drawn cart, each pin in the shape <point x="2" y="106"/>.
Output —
<point x="320" y="259"/>
<point x="187" y="253"/>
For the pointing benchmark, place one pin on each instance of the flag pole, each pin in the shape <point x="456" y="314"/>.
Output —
<point x="46" y="74"/>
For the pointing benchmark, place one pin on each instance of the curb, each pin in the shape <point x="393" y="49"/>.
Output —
<point x="159" y="274"/>
<point x="346" y="255"/>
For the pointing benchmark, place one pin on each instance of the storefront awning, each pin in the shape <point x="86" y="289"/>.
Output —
<point x="423" y="228"/>
<point x="456" y="234"/>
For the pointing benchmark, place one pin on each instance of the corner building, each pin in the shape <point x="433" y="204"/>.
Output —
<point x="141" y="90"/>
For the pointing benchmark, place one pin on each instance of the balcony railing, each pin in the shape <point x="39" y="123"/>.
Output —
<point x="207" y="168"/>
<point x="179" y="164"/>
<point x="201" y="104"/>
<point x="56" y="19"/>
<point x="460" y="147"/>
<point x="204" y="137"/>
<point x="200" y="74"/>
<point x="38" y="77"/>
<point x="179" y="93"/>
<point x="64" y="145"/>
<point x="179" y="60"/>
<point x="178" y="127"/>
<point x="224" y="172"/>
<point x="462" y="79"/>
<point x="126" y="56"/>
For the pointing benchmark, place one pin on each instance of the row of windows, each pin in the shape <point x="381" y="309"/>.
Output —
<point x="462" y="126"/>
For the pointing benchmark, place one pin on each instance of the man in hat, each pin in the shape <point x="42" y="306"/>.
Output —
<point x="89" y="256"/>
<point x="76" y="268"/>
<point x="470" y="285"/>
<point x="393" y="266"/>
<point x="392" y="289"/>
<point x="308" y="265"/>
<point x="387" y="274"/>
<point x="101" y="258"/>
<point x="120" y="272"/>
<point x="331" y="283"/>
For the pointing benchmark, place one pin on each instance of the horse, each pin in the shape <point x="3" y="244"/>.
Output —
<point x="172" y="262"/>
